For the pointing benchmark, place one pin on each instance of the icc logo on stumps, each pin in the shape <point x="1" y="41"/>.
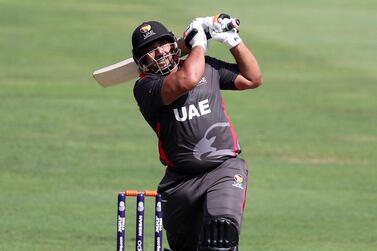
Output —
<point x="140" y="206"/>
<point x="158" y="208"/>
<point x="122" y="207"/>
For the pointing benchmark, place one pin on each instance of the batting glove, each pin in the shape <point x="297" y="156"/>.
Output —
<point x="206" y="22"/>
<point x="195" y="36"/>
<point x="230" y="38"/>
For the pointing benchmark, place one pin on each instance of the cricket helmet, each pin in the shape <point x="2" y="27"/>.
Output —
<point x="146" y="34"/>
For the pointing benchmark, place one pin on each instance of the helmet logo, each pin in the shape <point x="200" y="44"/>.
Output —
<point x="147" y="31"/>
<point x="145" y="28"/>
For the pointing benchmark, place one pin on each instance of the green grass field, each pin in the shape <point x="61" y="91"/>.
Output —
<point x="67" y="146"/>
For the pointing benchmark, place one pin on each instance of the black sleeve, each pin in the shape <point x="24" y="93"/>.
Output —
<point x="227" y="73"/>
<point x="147" y="92"/>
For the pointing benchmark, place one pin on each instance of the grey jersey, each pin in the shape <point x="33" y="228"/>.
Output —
<point x="194" y="132"/>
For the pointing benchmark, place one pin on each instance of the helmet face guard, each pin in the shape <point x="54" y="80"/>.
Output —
<point x="146" y="34"/>
<point x="151" y="65"/>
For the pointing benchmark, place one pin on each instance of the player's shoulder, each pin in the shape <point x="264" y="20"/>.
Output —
<point x="210" y="60"/>
<point x="147" y="80"/>
<point x="146" y="84"/>
<point x="214" y="62"/>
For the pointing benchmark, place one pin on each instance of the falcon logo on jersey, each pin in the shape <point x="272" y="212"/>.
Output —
<point x="205" y="148"/>
<point x="184" y="113"/>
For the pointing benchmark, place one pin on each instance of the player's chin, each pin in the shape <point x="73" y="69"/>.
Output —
<point x="162" y="64"/>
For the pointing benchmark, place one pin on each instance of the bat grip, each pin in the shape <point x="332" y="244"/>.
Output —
<point x="234" y="23"/>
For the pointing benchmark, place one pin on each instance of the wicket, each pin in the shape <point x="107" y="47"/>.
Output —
<point x="121" y="220"/>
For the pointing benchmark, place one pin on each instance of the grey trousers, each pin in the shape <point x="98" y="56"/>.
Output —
<point x="218" y="193"/>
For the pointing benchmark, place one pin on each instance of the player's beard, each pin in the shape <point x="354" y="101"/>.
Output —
<point x="162" y="61"/>
<point x="164" y="64"/>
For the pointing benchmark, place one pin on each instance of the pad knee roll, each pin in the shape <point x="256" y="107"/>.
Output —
<point x="218" y="234"/>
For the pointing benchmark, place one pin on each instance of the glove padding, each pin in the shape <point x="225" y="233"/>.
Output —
<point x="195" y="36"/>
<point x="207" y="23"/>
<point x="229" y="38"/>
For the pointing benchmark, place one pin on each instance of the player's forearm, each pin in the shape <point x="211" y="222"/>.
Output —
<point x="247" y="64"/>
<point x="193" y="67"/>
<point x="186" y="78"/>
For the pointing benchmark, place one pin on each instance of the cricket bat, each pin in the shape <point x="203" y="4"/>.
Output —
<point x="127" y="70"/>
<point x="122" y="71"/>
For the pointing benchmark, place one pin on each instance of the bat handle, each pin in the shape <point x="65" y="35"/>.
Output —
<point x="233" y="24"/>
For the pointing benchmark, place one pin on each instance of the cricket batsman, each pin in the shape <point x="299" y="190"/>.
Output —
<point x="205" y="182"/>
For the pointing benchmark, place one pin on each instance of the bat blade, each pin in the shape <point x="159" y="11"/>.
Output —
<point x="117" y="73"/>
